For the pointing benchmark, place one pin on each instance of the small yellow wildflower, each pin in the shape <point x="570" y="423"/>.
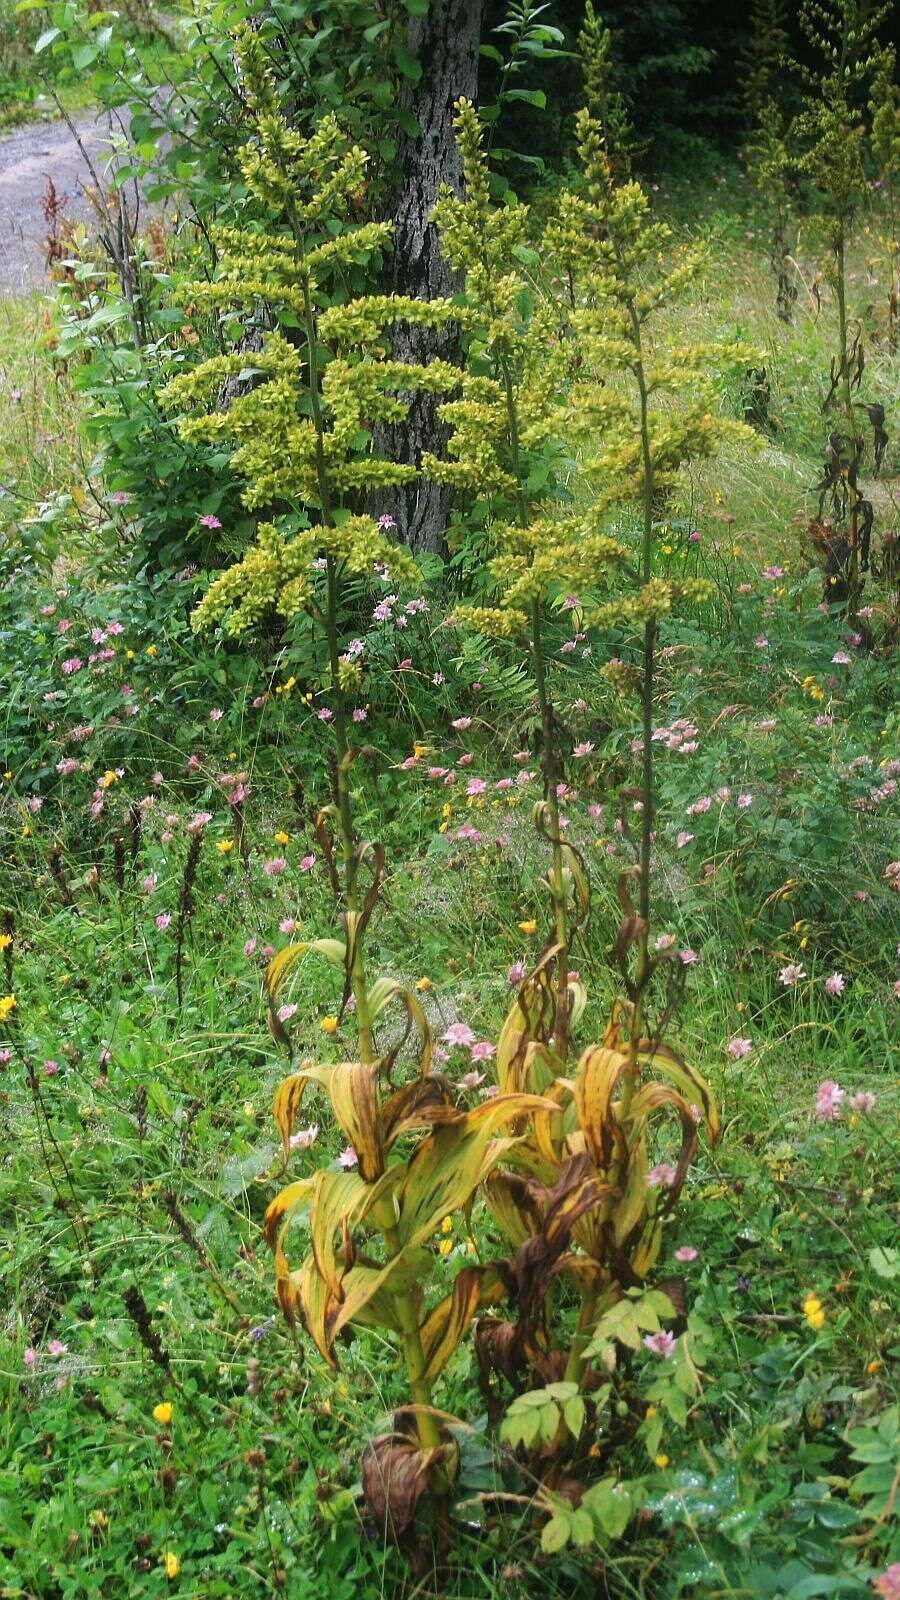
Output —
<point x="162" y="1413"/>
<point x="129" y="655"/>
<point x="666" y="549"/>
<point x="419" y="750"/>
<point x="329" y="1024"/>
<point x="224" y="845"/>
<point x="281" y="837"/>
<point x="7" y="1004"/>
<point x="172" y="1564"/>
<point x="813" y="1312"/>
<point x="109" y="778"/>
<point x="423" y="983"/>
<point x="151" y="650"/>
<point x="7" y="776"/>
<point x="248" y="1108"/>
<point x="528" y="926"/>
<point x="735" y="550"/>
<point x="445" y="1246"/>
<point x="650" y="1412"/>
<point x="661" y="1461"/>
<point x="26" y="831"/>
<point x="447" y="1225"/>
<point x="446" y="809"/>
<point x="5" y="941"/>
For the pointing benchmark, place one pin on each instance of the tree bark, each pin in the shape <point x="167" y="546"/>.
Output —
<point x="445" y="42"/>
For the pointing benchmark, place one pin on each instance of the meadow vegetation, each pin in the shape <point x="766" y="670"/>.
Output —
<point x="449" y="1027"/>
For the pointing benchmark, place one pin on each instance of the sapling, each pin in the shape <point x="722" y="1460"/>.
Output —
<point x="771" y="157"/>
<point x="835" y="129"/>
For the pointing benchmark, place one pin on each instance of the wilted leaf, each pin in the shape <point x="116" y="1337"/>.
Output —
<point x="394" y="1475"/>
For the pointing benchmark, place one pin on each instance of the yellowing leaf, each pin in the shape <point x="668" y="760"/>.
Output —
<point x="450" y="1319"/>
<point x="689" y="1083"/>
<point x="596" y="1080"/>
<point x="448" y="1166"/>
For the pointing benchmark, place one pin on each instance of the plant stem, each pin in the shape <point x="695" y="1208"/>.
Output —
<point x="358" y="982"/>
<point x="641" y="971"/>
<point x="556" y="877"/>
<point x="575" y="1363"/>
<point x="844" y="372"/>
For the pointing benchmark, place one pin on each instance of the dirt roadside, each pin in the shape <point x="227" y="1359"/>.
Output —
<point x="28" y="156"/>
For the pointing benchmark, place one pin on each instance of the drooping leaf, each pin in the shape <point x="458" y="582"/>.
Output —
<point x="442" y="1330"/>
<point x="688" y="1082"/>
<point x="448" y="1166"/>
<point x="596" y="1080"/>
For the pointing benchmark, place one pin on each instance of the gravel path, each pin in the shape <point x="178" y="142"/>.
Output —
<point x="28" y="156"/>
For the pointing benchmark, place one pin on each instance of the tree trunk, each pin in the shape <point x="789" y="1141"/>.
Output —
<point x="445" y="42"/>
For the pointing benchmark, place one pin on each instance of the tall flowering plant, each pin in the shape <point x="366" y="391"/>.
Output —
<point x="509" y="444"/>
<point x="302" y="434"/>
<point x="579" y="1195"/>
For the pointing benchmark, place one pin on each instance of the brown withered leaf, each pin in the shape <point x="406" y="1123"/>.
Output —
<point x="394" y="1476"/>
<point x="424" y="1103"/>
<point x="497" y="1348"/>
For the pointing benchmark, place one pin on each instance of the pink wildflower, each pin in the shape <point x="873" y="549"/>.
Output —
<point x="209" y="521"/>
<point x="662" y="1343"/>
<point x="683" y="838"/>
<point x="307" y="863"/>
<point x="482" y="1051"/>
<point x="863" y="1101"/>
<point x="686" y="1252"/>
<point x="275" y="867"/>
<point x="249" y="946"/>
<point x="304" y="1137"/>
<point x="828" y="1100"/>
<point x="790" y="975"/>
<point x="163" y="920"/>
<point x="348" y="1158"/>
<point x="835" y="983"/>
<point x="516" y="973"/>
<point x="470" y="1080"/>
<point x="738" y="1048"/>
<point x="284" y="1013"/>
<point x="459" y="1033"/>
<point x="662" y="1176"/>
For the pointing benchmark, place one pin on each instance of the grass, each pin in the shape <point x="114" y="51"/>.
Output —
<point x="250" y="1487"/>
<point x="39" y="444"/>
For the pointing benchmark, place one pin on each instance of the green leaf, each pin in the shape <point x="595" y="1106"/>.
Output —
<point x="885" y="1261"/>
<point x="407" y="64"/>
<point x="46" y="39"/>
<point x="556" y="1533"/>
